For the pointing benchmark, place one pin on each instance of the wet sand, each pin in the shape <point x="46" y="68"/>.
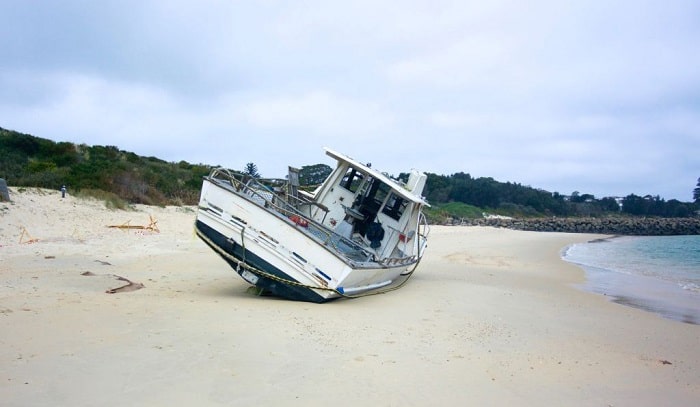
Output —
<point x="492" y="317"/>
<point x="661" y="297"/>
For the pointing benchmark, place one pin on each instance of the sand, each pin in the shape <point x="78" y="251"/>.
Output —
<point x="492" y="317"/>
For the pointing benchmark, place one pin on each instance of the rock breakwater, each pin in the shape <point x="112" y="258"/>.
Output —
<point x="607" y="226"/>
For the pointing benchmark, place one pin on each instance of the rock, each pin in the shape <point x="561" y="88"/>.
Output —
<point x="4" y="193"/>
<point x="608" y="226"/>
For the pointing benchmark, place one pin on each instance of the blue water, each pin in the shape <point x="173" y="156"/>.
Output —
<point x="660" y="274"/>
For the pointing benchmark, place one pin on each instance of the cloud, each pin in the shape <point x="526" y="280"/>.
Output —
<point x="595" y="96"/>
<point x="319" y="113"/>
<point x="93" y="110"/>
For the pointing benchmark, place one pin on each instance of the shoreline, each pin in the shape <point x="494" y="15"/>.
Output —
<point x="653" y="295"/>
<point x="492" y="316"/>
<point x="646" y="293"/>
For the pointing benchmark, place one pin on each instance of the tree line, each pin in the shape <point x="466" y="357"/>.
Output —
<point x="36" y="162"/>
<point x="513" y="199"/>
<point x="29" y="161"/>
<point x="26" y="160"/>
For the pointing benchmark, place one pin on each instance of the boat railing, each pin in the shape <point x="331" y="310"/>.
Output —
<point x="272" y="195"/>
<point x="423" y="230"/>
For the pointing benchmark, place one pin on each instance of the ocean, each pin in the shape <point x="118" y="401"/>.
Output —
<point x="659" y="274"/>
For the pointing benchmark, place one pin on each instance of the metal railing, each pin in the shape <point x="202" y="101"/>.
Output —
<point x="273" y="195"/>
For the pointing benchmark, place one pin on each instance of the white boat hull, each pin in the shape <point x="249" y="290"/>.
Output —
<point x="285" y="258"/>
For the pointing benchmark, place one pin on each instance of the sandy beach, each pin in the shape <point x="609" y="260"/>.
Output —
<point x="492" y="317"/>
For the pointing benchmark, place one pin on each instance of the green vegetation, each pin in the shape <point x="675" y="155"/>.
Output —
<point x="111" y="200"/>
<point x="313" y="175"/>
<point x="121" y="178"/>
<point x="37" y="162"/>
<point x="252" y="170"/>
<point x="515" y="200"/>
<point x="439" y="213"/>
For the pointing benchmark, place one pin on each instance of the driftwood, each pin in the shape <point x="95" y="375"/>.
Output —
<point x="130" y="286"/>
<point x="24" y="234"/>
<point x="152" y="225"/>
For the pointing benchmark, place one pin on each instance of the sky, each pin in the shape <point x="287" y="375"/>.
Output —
<point x="595" y="96"/>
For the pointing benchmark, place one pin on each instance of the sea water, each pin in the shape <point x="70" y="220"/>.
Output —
<point x="660" y="274"/>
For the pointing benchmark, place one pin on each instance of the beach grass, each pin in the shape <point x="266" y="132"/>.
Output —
<point x="111" y="200"/>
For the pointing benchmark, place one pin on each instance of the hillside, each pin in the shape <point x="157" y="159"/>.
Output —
<point x="114" y="174"/>
<point x="32" y="161"/>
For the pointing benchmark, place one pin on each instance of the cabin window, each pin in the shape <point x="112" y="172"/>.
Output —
<point x="352" y="180"/>
<point x="381" y="194"/>
<point x="395" y="206"/>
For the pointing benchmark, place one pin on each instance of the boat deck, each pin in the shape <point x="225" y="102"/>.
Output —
<point x="358" y="254"/>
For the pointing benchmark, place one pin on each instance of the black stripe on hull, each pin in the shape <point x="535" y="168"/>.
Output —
<point x="280" y="289"/>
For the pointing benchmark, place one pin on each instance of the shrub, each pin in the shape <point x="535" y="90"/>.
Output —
<point x="111" y="200"/>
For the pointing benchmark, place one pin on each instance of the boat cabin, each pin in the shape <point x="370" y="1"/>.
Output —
<point x="364" y="205"/>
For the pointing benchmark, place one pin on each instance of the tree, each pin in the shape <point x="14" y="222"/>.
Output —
<point x="252" y="170"/>
<point x="635" y="205"/>
<point x="609" y="204"/>
<point x="437" y="188"/>
<point x="696" y="192"/>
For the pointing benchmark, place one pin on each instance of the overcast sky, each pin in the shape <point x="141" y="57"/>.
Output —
<point x="600" y="97"/>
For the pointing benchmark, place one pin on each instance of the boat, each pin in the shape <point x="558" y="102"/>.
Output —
<point x="360" y="232"/>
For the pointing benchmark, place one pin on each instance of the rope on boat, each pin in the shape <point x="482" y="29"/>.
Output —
<point x="242" y="263"/>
